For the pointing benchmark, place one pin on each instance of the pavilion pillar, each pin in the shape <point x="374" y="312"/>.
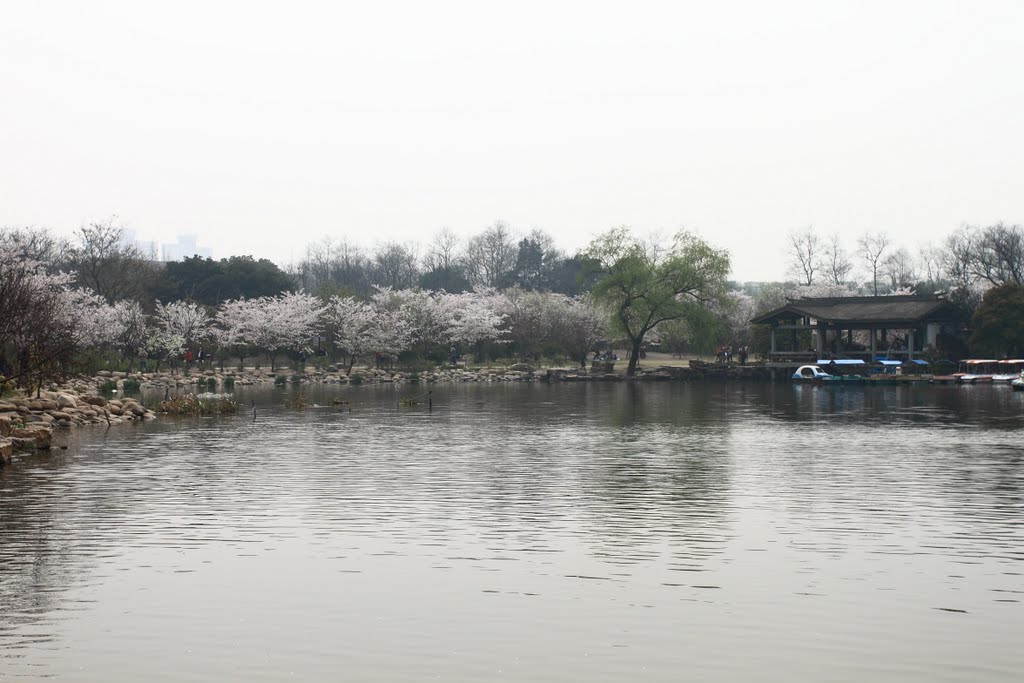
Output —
<point x="772" y="347"/>
<point x="822" y="330"/>
<point x="910" y="345"/>
<point x="873" y="346"/>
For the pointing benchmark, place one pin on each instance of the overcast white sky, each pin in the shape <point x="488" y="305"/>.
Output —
<point x="265" y="126"/>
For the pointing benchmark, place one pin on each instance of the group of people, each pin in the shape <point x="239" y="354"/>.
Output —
<point x="188" y="357"/>
<point x="725" y="353"/>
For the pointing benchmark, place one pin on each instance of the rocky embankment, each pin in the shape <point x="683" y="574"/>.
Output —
<point x="27" y="423"/>
<point x="214" y="380"/>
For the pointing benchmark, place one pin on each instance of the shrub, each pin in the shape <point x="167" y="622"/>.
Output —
<point x="296" y="379"/>
<point x="300" y="402"/>
<point x="414" y="376"/>
<point x="108" y="387"/>
<point x="279" y="380"/>
<point x="229" y="382"/>
<point x="355" y="378"/>
<point x="131" y="386"/>
<point x="190" y="404"/>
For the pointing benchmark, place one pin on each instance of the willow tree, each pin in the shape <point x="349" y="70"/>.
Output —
<point x="645" y="283"/>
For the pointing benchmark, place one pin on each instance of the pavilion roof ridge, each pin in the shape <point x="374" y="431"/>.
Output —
<point x="866" y="309"/>
<point x="886" y="298"/>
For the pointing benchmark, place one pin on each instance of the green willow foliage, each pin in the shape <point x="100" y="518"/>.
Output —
<point x="644" y="284"/>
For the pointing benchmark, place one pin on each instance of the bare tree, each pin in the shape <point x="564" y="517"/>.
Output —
<point x="993" y="255"/>
<point x="999" y="254"/>
<point x="394" y="265"/>
<point x="491" y="255"/>
<point x="931" y="257"/>
<point x="836" y="262"/>
<point x="105" y="263"/>
<point x="804" y="254"/>
<point x="334" y="267"/>
<point x="899" y="269"/>
<point x="316" y="268"/>
<point x="351" y="267"/>
<point x="443" y="263"/>
<point x="958" y="258"/>
<point x="443" y="251"/>
<point x="32" y="244"/>
<point x="872" y="250"/>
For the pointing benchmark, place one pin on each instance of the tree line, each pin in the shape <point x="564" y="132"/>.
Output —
<point x="497" y="257"/>
<point x="68" y="305"/>
<point x="969" y="261"/>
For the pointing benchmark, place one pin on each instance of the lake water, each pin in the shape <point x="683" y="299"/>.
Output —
<point x="578" y="532"/>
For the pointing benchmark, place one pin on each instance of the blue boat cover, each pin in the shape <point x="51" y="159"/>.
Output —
<point x="841" y="361"/>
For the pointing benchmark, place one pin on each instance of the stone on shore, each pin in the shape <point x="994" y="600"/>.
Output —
<point x="40" y="436"/>
<point x="66" y="401"/>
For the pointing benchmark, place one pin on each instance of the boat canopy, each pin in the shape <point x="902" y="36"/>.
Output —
<point x="891" y="362"/>
<point x="974" y="361"/>
<point x="841" y="361"/>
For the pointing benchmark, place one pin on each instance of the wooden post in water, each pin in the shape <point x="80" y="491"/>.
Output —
<point x="430" y="400"/>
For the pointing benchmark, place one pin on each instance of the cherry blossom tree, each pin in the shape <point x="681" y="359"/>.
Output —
<point x="420" y="312"/>
<point x="575" y="324"/>
<point x="163" y="345"/>
<point x="131" y="331"/>
<point x="528" y="319"/>
<point x="185" y="319"/>
<point x="235" y="322"/>
<point x="362" y="329"/>
<point x="471" y="318"/>
<point x="284" y="323"/>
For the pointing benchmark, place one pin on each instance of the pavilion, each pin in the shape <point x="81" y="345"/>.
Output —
<point x="921" y="317"/>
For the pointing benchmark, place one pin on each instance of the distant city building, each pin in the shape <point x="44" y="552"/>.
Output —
<point x="185" y="247"/>
<point x="148" y="248"/>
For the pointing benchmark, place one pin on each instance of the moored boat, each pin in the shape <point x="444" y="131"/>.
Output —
<point x="975" y="371"/>
<point x="810" y="373"/>
<point x="1008" y="370"/>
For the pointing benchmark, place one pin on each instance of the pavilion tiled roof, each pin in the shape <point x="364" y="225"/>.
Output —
<point x="862" y="310"/>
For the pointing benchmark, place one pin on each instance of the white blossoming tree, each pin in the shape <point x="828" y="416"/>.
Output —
<point x="185" y="319"/>
<point x="283" y="323"/>
<point x="163" y="345"/>
<point x="364" y="329"/>
<point x="132" y="330"/>
<point x="575" y="325"/>
<point x="235" y="322"/>
<point x="471" y="318"/>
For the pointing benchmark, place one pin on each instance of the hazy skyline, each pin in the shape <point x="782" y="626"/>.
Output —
<point x="263" y="127"/>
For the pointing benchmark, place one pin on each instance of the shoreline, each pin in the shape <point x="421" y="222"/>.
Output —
<point x="27" y="423"/>
<point x="213" y="379"/>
